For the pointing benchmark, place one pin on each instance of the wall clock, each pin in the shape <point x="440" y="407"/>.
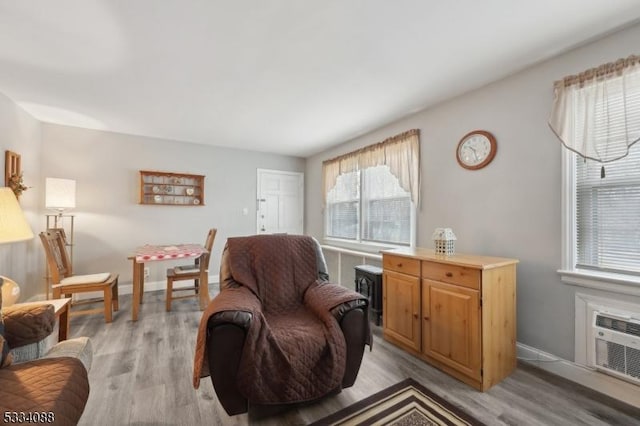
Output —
<point x="476" y="149"/>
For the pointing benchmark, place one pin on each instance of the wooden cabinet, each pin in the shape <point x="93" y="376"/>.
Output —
<point x="466" y="310"/>
<point x="175" y="189"/>
<point x="451" y="326"/>
<point x="401" y="308"/>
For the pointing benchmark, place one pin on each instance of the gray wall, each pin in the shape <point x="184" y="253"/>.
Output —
<point x="109" y="222"/>
<point x="512" y="207"/>
<point x="21" y="133"/>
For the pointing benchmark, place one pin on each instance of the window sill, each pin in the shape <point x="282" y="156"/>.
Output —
<point x="359" y="247"/>
<point x="349" y="252"/>
<point x="604" y="281"/>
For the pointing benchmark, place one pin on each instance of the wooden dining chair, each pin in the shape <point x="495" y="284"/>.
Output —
<point x="65" y="284"/>
<point x="189" y="272"/>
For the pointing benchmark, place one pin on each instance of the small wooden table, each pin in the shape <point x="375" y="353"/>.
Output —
<point x="61" y="308"/>
<point x="151" y="253"/>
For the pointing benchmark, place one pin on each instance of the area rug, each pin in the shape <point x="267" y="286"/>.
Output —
<point x="407" y="403"/>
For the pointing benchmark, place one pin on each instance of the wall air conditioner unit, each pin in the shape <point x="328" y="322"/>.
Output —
<point x="616" y="345"/>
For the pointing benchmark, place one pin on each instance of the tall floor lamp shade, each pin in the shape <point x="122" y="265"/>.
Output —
<point x="60" y="195"/>
<point x="13" y="228"/>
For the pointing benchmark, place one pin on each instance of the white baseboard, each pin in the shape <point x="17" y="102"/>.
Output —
<point x="157" y="285"/>
<point x="601" y="382"/>
<point x="125" y="289"/>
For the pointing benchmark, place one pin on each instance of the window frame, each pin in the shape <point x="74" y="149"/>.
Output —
<point x="367" y="245"/>
<point x="616" y="282"/>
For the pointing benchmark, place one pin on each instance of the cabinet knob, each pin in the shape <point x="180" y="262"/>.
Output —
<point x="426" y="318"/>
<point x="449" y="274"/>
<point x="415" y="315"/>
<point x="399" y="265"/>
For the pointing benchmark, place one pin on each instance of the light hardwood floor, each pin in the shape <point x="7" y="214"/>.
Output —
<point x="141" y="375"/>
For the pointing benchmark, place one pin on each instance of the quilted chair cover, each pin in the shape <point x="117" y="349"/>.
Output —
<point x="45" y="391"/>
<point x="56" y="385"/>
<point x="294" y="349"/>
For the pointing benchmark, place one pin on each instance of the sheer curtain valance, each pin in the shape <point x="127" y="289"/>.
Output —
<point x="401" y="153"/>
<point x="597" y="113"/>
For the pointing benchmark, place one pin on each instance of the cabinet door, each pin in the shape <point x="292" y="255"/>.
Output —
<point x="401" y="311"/>
<point x="451" y="326"/>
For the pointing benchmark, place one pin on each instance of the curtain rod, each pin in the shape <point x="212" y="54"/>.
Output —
<point x="599" y="72"/>
<point x="403" y="135"/>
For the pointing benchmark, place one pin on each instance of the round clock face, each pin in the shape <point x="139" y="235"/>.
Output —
<point x="476" y="150"/>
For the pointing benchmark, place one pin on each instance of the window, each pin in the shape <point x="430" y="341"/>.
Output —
<point x="608" y="214"/>
<point x="369" y="206"/>
<point x="343" y="207"/>
<point x="596" y="115"/>
<point x="371" y="194"/>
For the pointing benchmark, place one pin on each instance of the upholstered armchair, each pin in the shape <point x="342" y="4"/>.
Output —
<point x="278" y="333"/>
<point x="51" y="389"/>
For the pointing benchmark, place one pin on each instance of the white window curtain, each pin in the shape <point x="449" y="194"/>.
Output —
<point x="596" y="113"/>
<point x="400" y="153"/>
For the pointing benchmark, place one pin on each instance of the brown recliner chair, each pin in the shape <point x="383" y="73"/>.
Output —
<point x="278" y="333"/>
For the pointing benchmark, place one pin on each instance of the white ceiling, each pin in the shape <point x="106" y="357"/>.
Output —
<point x="284" y="76"/>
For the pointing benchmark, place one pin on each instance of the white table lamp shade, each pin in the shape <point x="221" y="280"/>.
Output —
<point x="13" y="225"/>
<point x="10" y="291"/>
<point x="60" y="194"/>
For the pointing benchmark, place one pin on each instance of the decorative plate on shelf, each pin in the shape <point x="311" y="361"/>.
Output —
<point x="168" y="189"/>
<point x="189" y="191"/>
<point x="155" y="189"/>
<point x="196" y="201"/>
<point x="157" y="198"/>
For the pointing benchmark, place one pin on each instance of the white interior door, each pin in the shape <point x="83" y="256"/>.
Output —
<point x="280" y="202"/>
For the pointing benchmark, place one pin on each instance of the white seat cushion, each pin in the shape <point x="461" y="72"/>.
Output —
<point x="85" y="279"/>
<point x="186" y="269"/>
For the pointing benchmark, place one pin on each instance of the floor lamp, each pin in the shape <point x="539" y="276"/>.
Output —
<point x="60" y="195"/>
<point x="13" y="228"/>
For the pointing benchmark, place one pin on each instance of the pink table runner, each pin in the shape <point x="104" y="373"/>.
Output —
<point x="149" y="253"/>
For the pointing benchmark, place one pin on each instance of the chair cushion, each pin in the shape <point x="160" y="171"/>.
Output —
<point x="186" y="269"/>
<point x="25" y="323"/>
<point x="85" y="279"/>
<point x="299" y="333"/>
<point x="58" y="385"/>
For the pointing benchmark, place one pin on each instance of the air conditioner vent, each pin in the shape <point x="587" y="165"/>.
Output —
<point x="616" y="345"/>
<point x="627" y="327"/>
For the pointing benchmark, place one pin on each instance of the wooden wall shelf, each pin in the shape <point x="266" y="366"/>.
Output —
<point x="171" y="189"/>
